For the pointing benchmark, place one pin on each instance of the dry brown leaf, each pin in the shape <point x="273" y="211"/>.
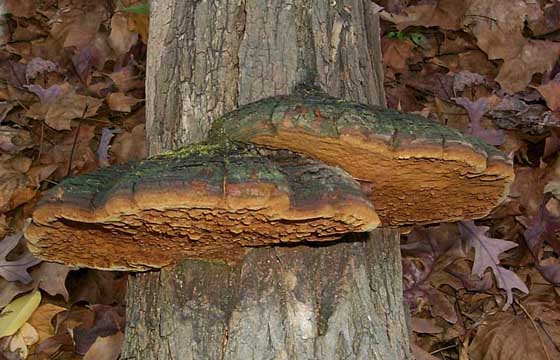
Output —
<point x="498" y="27"/>
<point x="425" y="326"/>
<point x="550" y="21"/>
<point x="130" y="145"/>
<point x="514" y="337"/>
<point x="421" y="354"/>
<point x="487" y="255"/>
<point x="3" y="229"/>
<point x="534" y="56"/>
<point x="78" y="26"/>
<point x="17" y="348"/>
<point x="75" y="146"/>
<point x="126" y="79"/>
<point x="120" y="102"/>
<point x="105" y="348"/>
<point x="528" y="187"/>
<point x="137" y="22"/>
<point x="447" y="14"/>
<point x="42" y="318"/>
<point x="60" y="104"/>
<point x="397" y="53"/>
<point x="10" y="289"/>
<point x="20" y="8"/>
<point x="51" y="277"/>
<point x="5" y="108"/>
<point x="13" y="140"/>
<point x="551" y="93"/>
<point x="15" y="187"/>
<point x="121" y="38"/>
<point x="29" y="334"/>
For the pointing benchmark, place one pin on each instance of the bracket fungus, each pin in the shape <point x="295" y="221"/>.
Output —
<point x="203" y="201"/>
<point x="420" y="171"/>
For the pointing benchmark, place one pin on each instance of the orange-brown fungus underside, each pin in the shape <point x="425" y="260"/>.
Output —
<point x="419" y="171"/>
<point x="195" y="204"/>
<point x="410" y="190"/>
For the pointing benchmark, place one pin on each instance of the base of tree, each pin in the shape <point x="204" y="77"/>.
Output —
<point x="338" y="301"/>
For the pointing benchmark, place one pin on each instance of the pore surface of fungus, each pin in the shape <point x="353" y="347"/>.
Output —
<point x="420" y="171"/>
<point x="205" y="201"/>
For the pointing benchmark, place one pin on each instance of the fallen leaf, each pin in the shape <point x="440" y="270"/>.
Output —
<point x="18" y="312"/>
<point x="549" y="22"/>
<point x="121" y="38"/>
<point x="447" y="14"/>
<point x="551" y="93"/>
<point x="126" y="79"/>
<point x="487" y="255"/>
<point x="104" y="144"/>
<point x="5" y="108"/>
<point x="73" y="154"/>
<point x="109" y="320"/>
<point x="10" y="289"/>
<point x="38" y="66"/>
<point x="421" y="354"/>
<point x="51" y="277"/>
<point x="16" y="188"/>
<point x="465" y="78"/>
<point x="120" y="102"/>
<point x="17" y="348"/>
<point x="501" y="37"/>
<point x="78" y="25"/>
<point x="130" y="145"/>
<point x="425" y="326"/>
<point x="13" y="73"/>
<point x="397" y="53"/>
<point x="514" y="337"/>
<point x="60" y="104"/>
<point x="441" y="306"/>
<point x="15" y="270"/>
<point x="14" y="140"/>
<point x="544" y="226"/>
<point x="105" y="348"/>
<point x="474" y="282"/>
<point x="20" y="8"/>
<point x="42" y="318"/>
<point x="476" y="110"/>
<point x="3" y="227"/>
<point x="138" y="20"/>
<point x="25" y="337"/>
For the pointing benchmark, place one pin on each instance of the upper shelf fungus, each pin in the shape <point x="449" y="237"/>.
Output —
<point x="420" y="171"/>
<point x="203" y="201"/>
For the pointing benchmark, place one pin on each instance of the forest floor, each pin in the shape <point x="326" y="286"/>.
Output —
<point x="72" y="100"/>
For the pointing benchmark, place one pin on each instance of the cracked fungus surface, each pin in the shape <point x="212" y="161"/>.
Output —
<point x="200" y="202"/>
<point x="419" y="171"/>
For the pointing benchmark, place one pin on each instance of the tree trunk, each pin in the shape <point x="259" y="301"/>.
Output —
<point x="342" y="300"/>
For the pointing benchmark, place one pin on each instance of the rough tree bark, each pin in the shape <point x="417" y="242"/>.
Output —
<point x="338" y="301"/>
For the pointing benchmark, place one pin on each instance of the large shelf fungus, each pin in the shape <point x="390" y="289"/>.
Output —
<point x="204" y="201"/>
<point x="420" y="171"/>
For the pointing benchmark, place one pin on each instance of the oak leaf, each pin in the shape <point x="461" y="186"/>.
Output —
<point x="60" y="104"/>
<point x="487" y="255"/>
<point x="15" y="270"/>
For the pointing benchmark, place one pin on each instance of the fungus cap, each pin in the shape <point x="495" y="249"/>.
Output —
<point x="205" y="202"/>
<point x="420" y="171"/>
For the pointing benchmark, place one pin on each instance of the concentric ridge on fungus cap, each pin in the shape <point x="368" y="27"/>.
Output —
<point x="203" y="201"/>
<point x="419" y="170"/>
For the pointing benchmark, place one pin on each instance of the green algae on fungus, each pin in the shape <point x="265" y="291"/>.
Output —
<point x="204" y="201"/>
<point x="420" y="171"/>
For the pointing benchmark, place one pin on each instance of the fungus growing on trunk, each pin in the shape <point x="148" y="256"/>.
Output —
<point x="421" y="171"/>
<point x="203" y="201"/>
